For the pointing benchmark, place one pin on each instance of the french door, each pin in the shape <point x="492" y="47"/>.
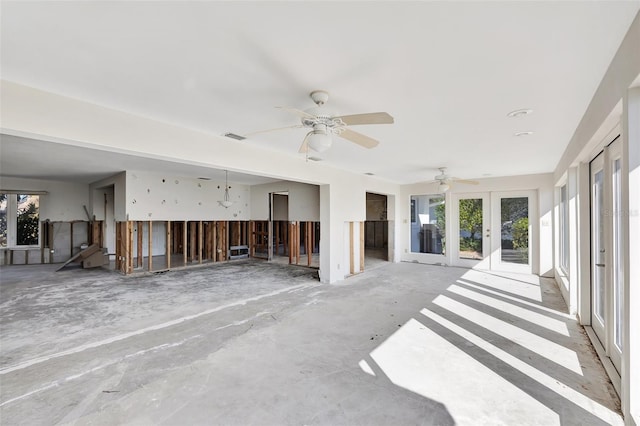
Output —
<point x="493" y="230"/>
<point x="606" y="250"/>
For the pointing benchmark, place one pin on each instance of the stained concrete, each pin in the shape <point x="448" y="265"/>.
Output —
<point x="255" y="343"/>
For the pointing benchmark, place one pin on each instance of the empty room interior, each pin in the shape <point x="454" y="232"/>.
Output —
<point x="309" y="212"/>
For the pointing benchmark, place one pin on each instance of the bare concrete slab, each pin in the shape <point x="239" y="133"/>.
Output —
<point x="256" y="343"/>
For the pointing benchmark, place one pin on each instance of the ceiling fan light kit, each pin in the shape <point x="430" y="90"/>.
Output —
<point x="445" y="181"/>
<point x="324" y="124"/>
<point x="319" y="140"/>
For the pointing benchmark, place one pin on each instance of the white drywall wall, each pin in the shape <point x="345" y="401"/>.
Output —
<point x="63" y="201"/>
<point x="115" y="189"/>
<point x="161" y="197"/>
<point x="304" y="200"/>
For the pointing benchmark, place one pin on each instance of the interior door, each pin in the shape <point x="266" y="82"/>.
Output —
<point x="607" y="239"/>
<point x="512" y="230"/>
<point x="471" y="215"/>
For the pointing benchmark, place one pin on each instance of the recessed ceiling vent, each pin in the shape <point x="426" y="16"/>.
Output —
<point x="234" y="136"/>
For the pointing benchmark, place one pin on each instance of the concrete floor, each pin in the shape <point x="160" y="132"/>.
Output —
<point x="255" y="343"/>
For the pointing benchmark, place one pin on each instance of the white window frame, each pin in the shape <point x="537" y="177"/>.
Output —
<point x="12" y="220"/>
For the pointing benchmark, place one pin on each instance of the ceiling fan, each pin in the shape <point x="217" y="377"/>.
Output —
<point x="324" y="124"/>
<point x="445" y="181"/>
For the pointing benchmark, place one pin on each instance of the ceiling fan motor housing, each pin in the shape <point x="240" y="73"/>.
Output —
<point x="320" y="97"/>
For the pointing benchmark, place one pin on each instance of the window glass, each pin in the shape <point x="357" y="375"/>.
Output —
<point x="428" y="220"/>
<point x="3" y="220"/>
<point x="19" y="220"/>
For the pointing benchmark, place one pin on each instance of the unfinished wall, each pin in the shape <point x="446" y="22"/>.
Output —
<point x="161" y="197"/>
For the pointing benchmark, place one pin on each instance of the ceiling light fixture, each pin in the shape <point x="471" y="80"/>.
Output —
<point x="519" y="113"/>
<point x="443" y="187"/>
<point x="523" y="134"/>
<point x="319" y="139"/>
<point x="226" y="203"/>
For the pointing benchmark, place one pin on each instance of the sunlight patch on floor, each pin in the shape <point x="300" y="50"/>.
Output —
<point x="527" y="286"/>
<point x="511" y="309"/>
<point x="418" y="359"/>
<point x="559" y="354"/>
<point x="588" y="404"/>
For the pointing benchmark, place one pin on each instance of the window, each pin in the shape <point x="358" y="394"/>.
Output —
<point x="564" y="230"/>
<point x="428" y="224"/>
<point x="19" y="220"/>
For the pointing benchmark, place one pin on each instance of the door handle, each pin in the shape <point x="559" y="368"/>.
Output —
<point x="600" y="265"/>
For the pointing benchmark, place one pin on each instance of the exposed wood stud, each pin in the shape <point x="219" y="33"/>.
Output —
<point x="184" y="243"/>
<point x="351" y="254"/>
<point x="200" y="240"/>
<point x="139" y="242"/>
<point x="168" y="248"/>
<point x="361" y="246"/>
<point x="309" y="248"/>
<point x="214" y="241"/>
<point x="129" y="247"/>
<point x="150" y="254"/>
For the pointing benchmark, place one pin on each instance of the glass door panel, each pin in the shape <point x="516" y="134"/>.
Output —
<point x="514" y="219"/>
<point x="512" y="224"/>
<point x="471" y="220"/>
<point x="470" y="229"/>
<point x="598" y="289"/>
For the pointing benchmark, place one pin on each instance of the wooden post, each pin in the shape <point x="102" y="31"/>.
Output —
<point x="361" y="246"/>
<point x="307" y="238"/>
<point x="221" y="241"/>
<point x="168" y="248"/>
<point x="192" y="241"/>
<point x="118" y="250"/>
<point x="140" y="247"/>
<point x="290" y="242"/>
<point x="71" y="238"/>
<point x="200" y="239"/>
<point x="184" y="243"/>
<point x="287" y="238"/>
<point x="351" y="254"/>
<point x="150" y="254"/>
<point x="214" y="241"/>
<point x="129" y="247"/>
<point x="252" y="238"/>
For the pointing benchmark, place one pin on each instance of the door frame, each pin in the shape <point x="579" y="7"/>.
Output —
<point x="485" y="263"/>
<point x="496" y="241"/>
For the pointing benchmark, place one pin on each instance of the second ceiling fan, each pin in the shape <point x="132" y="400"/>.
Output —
<point x="324" y="125"/>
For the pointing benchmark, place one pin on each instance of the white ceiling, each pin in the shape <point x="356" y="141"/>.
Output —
<point x="449" y="72"/>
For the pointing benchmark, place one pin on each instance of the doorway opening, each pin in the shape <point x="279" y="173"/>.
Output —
<point x="376" y="231"/>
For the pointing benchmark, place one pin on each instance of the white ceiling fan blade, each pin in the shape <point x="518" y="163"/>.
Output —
<point x="304" y="148"/>
<point x="273" y="130"/>
<point x="465" y="181"/>
<point x="369" y="118"/>
<point x="358" y="138"/>
<point x="297" y="112"/>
